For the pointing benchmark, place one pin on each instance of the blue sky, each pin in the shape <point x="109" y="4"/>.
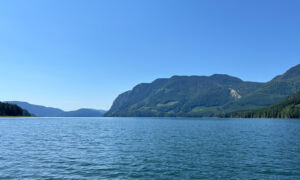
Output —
<point x="73" y="54"/>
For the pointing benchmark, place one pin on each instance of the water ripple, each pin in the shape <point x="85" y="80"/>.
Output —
<point x="149" y="148"/>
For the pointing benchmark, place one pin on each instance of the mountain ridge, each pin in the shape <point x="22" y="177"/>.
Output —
<point x="44" y="111"/>
<point x="289" y="108"/>
<point x="199" y="96"/>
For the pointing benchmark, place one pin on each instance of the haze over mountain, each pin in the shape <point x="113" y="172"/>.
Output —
<point x="84" y="112"/>
<point x="43" y="111"/>
<point x="203" y="95"/>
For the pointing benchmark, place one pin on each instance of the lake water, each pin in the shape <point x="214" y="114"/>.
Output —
<point x="149" y="148"/>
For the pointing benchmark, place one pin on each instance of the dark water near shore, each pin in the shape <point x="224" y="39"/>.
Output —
<point x="149" y="148"/>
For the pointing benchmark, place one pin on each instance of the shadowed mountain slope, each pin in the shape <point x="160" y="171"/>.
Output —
<point x="7" y="109"/>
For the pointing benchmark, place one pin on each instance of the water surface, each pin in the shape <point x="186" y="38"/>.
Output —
<point x="149" y="148"/>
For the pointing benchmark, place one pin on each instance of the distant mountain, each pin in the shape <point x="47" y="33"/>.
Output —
<point x="37" y="110"/>
<point x="289" y="108"/>
<point x="203" y="95"/>
<point x="84" y="113"/>
<point x="42" y="111"/>
<point x="12" y="110"/>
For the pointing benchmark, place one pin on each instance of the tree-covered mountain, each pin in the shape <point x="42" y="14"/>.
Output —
<point x="37" y="110"/>
<point x="279" y="88"/>
<point x="203" y="95"/>
<point x="289" y="108"/>
<point x="42" y="111"/>
<point x="182" y="96"/>
<point x="7" y="109"/>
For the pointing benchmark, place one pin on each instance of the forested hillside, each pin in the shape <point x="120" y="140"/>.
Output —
<point x="198" y="96"/>
<point x="289" y="108"/>
<point x="12" y="110"/>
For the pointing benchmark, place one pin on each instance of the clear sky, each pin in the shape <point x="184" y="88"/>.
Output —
<point x="73" y="54"/>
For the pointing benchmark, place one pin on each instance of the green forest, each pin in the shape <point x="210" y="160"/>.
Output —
<point x="12" y="110"/>
<point x="204" y="96"/>
<point x="289" y="108"/>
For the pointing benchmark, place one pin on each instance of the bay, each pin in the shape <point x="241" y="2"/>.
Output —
<point x="149" y="148"/>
